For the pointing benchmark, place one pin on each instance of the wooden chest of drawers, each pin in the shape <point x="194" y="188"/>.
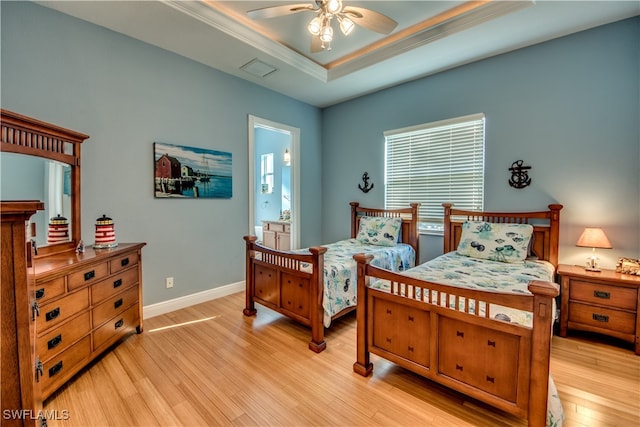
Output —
<point x="605" y="302"/>
<point x="87" y="302"/>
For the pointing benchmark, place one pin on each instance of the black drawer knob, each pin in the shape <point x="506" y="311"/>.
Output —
<point x="117" y="303"/>
<point x="601" y="294"/>
<point x="117" y="283"/>
<point x="53" y="342"/>
<point x="89" y="275"/>
<point x="119" y="323"/>
<point x="39" y="293"/>
<point x="55" y="369"/>
<point x="124" y="262"/>
<point x="52" y="314"/>
<point x="600" y="317"/>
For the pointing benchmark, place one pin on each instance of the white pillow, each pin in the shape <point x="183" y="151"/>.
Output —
<point x="380" y="231"/>
<point x="495" y="241"/>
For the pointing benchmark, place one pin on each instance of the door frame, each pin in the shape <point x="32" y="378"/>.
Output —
<point x="294" y="133"/>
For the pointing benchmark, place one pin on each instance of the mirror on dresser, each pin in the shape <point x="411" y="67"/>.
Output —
<point x="40" y="161"/>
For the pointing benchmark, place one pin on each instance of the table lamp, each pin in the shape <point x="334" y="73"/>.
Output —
<point x="593" y="237"/>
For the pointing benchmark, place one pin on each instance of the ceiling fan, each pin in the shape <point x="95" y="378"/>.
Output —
<point x="326" y="10"/>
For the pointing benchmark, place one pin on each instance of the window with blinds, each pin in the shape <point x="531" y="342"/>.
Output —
<point x="435" y="163"/>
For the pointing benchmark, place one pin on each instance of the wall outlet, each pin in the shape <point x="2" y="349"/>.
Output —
<point x="169" y="282"/>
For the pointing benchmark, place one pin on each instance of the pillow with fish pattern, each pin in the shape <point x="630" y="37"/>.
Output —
<point x="495" y="241"/>
<point x="380" y="231"/>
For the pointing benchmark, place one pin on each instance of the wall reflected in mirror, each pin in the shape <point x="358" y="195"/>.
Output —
<point x="24" y="177"/>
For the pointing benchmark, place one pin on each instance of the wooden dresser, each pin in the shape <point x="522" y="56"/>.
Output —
<point x="20" y="394"/>
<point x="276" y="235"/>
<point x="87" y="302"/>
<point x="605" y="302"/>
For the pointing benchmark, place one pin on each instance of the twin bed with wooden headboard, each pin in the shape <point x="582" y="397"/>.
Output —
<point x="316" y="285"/>
<point x="479" y="318"/>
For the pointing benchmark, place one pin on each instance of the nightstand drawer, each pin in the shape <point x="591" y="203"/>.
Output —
<point x="601" y="294"/>
<point x="601" y="317"/>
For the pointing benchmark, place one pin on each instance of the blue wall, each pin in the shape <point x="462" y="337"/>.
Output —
<point x="126" y="95"/>
<point x="568" y="107"/>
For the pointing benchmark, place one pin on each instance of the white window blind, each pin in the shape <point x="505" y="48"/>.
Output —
<point x="435" y="163"/>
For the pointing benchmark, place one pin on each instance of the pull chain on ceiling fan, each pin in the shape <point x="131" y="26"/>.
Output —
<point x="320" y="26"/>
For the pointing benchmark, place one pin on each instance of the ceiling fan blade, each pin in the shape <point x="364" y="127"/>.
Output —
<point x="316" y="44"/>
<point x="274" y="11"/>
<point x="370" y="19"/>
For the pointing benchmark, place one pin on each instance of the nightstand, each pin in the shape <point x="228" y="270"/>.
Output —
<point x="605" y="302"/>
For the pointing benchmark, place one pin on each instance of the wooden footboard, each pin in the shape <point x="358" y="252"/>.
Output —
<point x="277" y="280"/>
<point x="503" y="364"/>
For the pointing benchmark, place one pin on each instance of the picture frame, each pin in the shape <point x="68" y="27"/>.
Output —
<point x="628" y="266"/>
<point x="183" y="172"/>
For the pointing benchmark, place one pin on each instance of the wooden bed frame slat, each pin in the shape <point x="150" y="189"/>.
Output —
<point x="415" y="333"/>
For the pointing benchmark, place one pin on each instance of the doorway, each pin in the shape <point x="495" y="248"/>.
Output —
<point x="274" y="176"/>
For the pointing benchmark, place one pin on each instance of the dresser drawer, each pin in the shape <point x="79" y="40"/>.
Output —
<point x="601" y="317"/>
<point x="62" y="367"/>
<point x="56" y="340"/>
<point x="122" y="262"/>
<point x="56" y="312"/>
<point x="114" y="284"/>
<point x="114" y="305"/>
<point x="272" y="226"/>
<point x="116" y="328"/>
<point x="602" y="294"/>
<point x="45" y="291"/>
<point x="88" y="275"/>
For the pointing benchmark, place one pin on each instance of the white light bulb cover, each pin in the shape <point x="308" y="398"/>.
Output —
<point x="346" y="25"/>
<point x="334" y="6"/>
<point x="327" y="34"/>
<point x="315" y="26"/>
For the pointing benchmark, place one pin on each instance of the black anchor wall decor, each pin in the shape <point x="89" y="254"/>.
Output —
<point x="519" y="176"/>
<point x="365" y="180"/>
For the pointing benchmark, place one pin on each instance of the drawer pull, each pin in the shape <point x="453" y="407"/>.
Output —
<point x="39" y="293"/>
<point x="459" y="368"/>
<point x="388" y="340"/>
<point x="117" y="283"/>
<point x="39" y="370"/>
<point x="119" y="323"/>
<point x="491" y="343"/>
<point x="35" y="310"/>
<point x="460" y="334"/>
<point x="55" y="369"/>
<point x="600" y="317"/>
<point x="124" y="262"/>
<point x="410" y="348"/>
<point x="117" y="303"/>
<point x="491" y="379"/>
<point x="52" y="314"/>
<point x="410" y="318"/>
<point x="601" y="294"/>
<point x="89" y="275"/>
<point x="388" y="311"/>
<point x="53" y="342"/>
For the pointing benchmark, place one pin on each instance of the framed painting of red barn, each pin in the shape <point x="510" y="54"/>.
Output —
<point x="191" y="172"/>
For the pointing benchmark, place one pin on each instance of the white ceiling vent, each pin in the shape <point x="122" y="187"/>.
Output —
<point x="258" y="68"/>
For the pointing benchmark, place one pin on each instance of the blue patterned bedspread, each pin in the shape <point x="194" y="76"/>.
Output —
<point x="340" y="270"/>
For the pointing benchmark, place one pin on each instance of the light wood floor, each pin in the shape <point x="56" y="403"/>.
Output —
<point x="209" y="365"/>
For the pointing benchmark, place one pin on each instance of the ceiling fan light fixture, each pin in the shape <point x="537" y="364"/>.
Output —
<point x="327" y="34"/>
<point x="333" y="6"/>
<point x="315" y="26"/>
<point x="346" y="25"/>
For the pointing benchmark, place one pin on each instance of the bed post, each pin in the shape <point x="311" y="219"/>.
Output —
<point x="363" y="365"/>
<point x="354" y="219"/>
<point x="250" y="307"/>
<point x="543" y="294"/>
<point x="447" y="227"/>
<point x="316" y="314"/>
<point x="554" y="228"/>
<point x="415" y="235"/>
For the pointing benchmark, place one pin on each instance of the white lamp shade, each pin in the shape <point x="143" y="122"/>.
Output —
<point x="315" y="26"/>
<point x="346" y="25"/>
<point x="334" y="6"/>
<point x="327" y="34"/>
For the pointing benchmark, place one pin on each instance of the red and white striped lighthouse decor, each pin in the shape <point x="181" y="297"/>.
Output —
<point x="105" y="233"/>
<point x="58" y="229"/>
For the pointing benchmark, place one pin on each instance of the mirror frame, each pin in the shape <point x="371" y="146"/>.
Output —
<point x="25" y="135"/>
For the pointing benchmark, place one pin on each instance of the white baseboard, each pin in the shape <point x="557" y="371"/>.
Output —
<point x="163" y="307"/>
